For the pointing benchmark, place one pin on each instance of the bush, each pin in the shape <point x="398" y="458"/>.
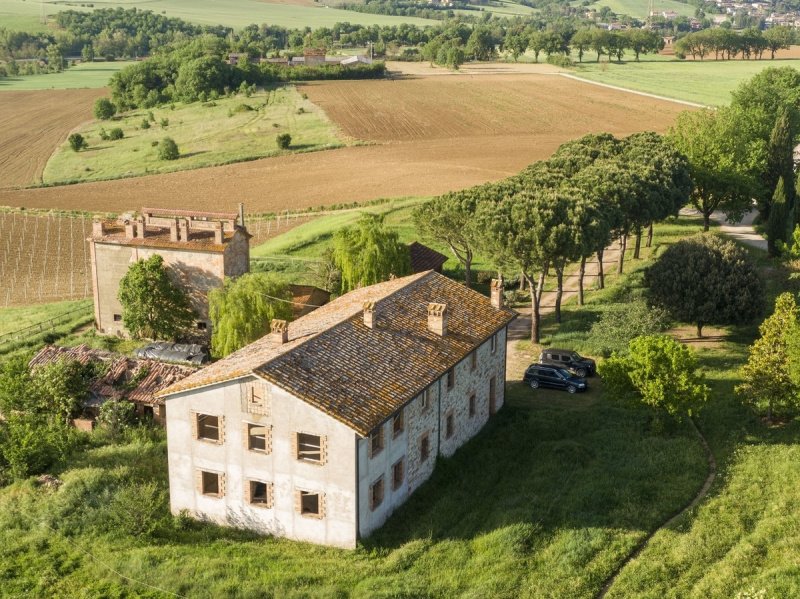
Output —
<point x="151" y="116"/>
<point x="77" y="142"/>
<point x="116" y="133"/>
<point x="164" y="123"/>
<point x="618" y="327"/>
<point x="104" y="134"/>
<point x="284" y="140"/>
<point x="137" y="509"/>
<point x="145" y="124"/>
<point x="559" y="60"/>
<point x="104" y="109"/>
<point x="116" y="416"/>
<point x="168" y="149"/>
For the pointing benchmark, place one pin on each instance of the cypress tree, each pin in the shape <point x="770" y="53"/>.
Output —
<point x="778" y="223"/>
<point x="780" y="163"/>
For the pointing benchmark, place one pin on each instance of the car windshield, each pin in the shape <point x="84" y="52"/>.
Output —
<point x="563" y="373"/>
<point x="576" y="357"/>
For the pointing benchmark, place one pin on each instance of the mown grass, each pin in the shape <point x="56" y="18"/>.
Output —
<point x="639" y="8"/>
<point x="219" y="132"/>
<point x="83" y="75"/>
<point x="67" y="317"/>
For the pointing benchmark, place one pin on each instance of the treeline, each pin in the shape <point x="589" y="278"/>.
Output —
<point x="725" y="44"/>
<point x="403" y="8"/>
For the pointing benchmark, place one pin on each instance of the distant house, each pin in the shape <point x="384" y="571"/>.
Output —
<point x="424" y="258"/>
<point x="321" y="429"/>
<point x="200" y="249"/>
<point x="138" y="381"/>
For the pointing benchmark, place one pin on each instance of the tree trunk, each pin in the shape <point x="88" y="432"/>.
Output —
<point x="559" y="291"/>
<point x="522" y="280"/>
<point x="601" y="275"/>
<point x="649" y="236"/>
<point x="623" y="244"/>
<point x="700" y="329"/>
<point x="581" y="273"/>
<point x="706" y="221"/>
<point x="638" y="245"/>
<point x="536" y="297"/>
<point x="468" y="270"/>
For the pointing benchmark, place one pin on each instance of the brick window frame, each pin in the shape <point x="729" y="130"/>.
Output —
<point x="203" y="483"/>
<point x="248" y="437"/>
<point x="303" y="448"/>
<point x="302" y="502"/>
<point x="269" y="496"/>
<point x="201" y="427"/>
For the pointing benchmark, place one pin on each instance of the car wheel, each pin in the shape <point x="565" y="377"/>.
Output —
<point x="534" y="384"/>
<point x="572" y="389"/>
<point x="581" y="372"/>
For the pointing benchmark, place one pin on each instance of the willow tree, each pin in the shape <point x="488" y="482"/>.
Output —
<point x="368" y="253"/>
<point x="242" y="309"/>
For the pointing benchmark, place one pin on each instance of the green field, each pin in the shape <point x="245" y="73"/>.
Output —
<point x="708" y="82"/>
<point x="219" y="132"/>
<point x="208" y="12"/>
<point x="83" y="75"/>
<point x="14" y="319"/>
<point x="638" y="8"/>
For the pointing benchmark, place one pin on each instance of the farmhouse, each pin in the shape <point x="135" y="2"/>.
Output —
<point x="321" y="429"/>
<point x="200" y="249"/>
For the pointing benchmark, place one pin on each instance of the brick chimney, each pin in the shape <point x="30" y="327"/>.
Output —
<point x="218" y="232"/>
<point x="437" y="319"/>
<point x="183" y="230"/>
<point x="140" y="227"/>
<point x="369" y="315"/>
<point x="279" y="331"/>
<point x="173" y="230"/>
<point x="496" y="294"/>
<point x="129" y="228"/>
<point x="98" y="230"/>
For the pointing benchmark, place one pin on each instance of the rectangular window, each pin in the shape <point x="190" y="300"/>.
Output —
<point x="208" y="427"/>
<point x="426" y="398"/>
<point x="424" y="447"/>
<point x="258" y="437"/>
<point x="472" y="405"/>
<point x="309" y="448"/>
<point x="117" y="317"/>
<point x="310" y="504"/>
<point x="451" y="378"/>
<point x="494" y="343"/>
<point x="398" y="473"/>
<point x="398" y="423"/>
<point x="376" y="494"/>
<point x="376" y="441"/>
<point x="210" y="484"/>
<point x="201" y="325"/>
<point x="450" y="426"/>
<point x="260" y="493"/>
<point x="473" y="360"/>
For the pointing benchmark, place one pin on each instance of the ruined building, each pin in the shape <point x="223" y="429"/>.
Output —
<point x="200" y="249"/>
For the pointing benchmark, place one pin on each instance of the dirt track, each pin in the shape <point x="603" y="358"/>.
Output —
<point x="33" y="123"/>
<point x="432" y="134"/>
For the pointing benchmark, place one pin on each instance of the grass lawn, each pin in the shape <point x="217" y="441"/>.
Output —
<point x="58" y="320"/>
<point x="708" y="82"/>
<point x="83" y="75"/>
<point x="638" y="8"/>
<point x="226" y="130"/>
<point x="14" y="319"/>
<point x="210" y="12"/>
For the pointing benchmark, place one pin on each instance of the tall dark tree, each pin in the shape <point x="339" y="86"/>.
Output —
<point x="779" y="164"/>
<point x="779" y="221"/>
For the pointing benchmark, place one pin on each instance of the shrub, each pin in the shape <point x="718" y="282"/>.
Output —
<point x="301" y="110"/>
<point x="617" y="328"/>
<point x="145" y="124"/>
<point x="104" y="134"/>
<point x="137" y="509"/>
<point x="77" y="142"/>
<point x="168" y="149"/>
<point x="115" y="134"/>
<point x="116" y="416"/>
<point x="104" y="109"/>
<point x="151" y="116"/>
<point x="284" y="140"/>
<point x="559" y="60"/>
<point x="164" y="123"/>
<point x="154" y="143"/>
<point x="242" y="108"/>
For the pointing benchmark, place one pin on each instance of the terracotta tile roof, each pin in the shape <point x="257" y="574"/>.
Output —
<point x="425" y="258"/>
<point x="159" y="237"/>
<point x="150" y="376"/>
<point x="361" y="375"/>
<point x="307" y="298"/>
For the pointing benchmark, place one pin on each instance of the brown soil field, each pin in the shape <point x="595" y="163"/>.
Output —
<point x="33" y="123"/>
<point x="428" y="135"/>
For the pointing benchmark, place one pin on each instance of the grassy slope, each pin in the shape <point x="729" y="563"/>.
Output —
<point x="638" y="8"/>
<point x="706" y="82"/>
<point x="14" y="319"/>
<point x="205" y="136"/>
<point x="235" y="14"/>
<point x="84" y="75"/>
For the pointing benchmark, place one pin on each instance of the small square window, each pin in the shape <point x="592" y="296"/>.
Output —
<point x="208" y="427"/>
<point x="398" y="423"/>
<point x="473" y="360"/>
<point x="117" y="317"/>
<point x="451" y="378"/>
<point x="257" y="437"/>
<point x="398" y="473"/>
<point x="310" y="504"/>
<point x="424" y="447"/>
<point x="201" y="325"/>
<point x="309" y="448"/>
<point x="376" y="441"/>
<point x="493" y="343"/>
<point x="210" y="484"/>
<point x="450" y="426"/>
<point x="472" y="405"/>
<point x="376" y="494"/>
<point x="260" y="493"/>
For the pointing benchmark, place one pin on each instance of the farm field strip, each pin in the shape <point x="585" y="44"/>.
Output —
<point x="86" y="75"/>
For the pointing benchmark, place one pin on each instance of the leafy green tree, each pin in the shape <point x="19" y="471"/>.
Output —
<point x="778" y="38"/>
<point x="369" y="253"/>
<point x="480" y="44"/>
<point x="718" y="162"/>
<point x="116" y="415"/>
<point x="104" y="109"/>
<point x="616" y="328"/>
<point x="601" y="42"/>
<point x="201" y="76"/>
<point x="767" y="381"/>
<point x="582" y="41"/>
<point x="537" y="43"/>
<point x="642" y="41"/>
<point x="516" y="44"/>
<point x="284" y="141"/>
<point x="62" y="386"/>
<point x="87" y="53"/>
<point x="168" y="149"/>
<point x="778" y="221"/>
<point x="658" y="371"/>
<point x="706" y="280"/>
<point x="77" y="142"/>
<point x="152" y="305"/>
<point x="17" y="390"/>
<point x="242" y="309"/>
<point x="30" y="444"/>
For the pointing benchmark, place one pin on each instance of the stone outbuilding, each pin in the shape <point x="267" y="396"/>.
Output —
<point x="321" y="429"/>
<point x="200" y="249"/>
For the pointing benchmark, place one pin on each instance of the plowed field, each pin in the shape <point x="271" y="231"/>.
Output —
<point x="33" y="123"/>
<point x="431" y="135"/>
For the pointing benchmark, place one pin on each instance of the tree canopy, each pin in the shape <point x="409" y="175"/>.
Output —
<point x="152" y="305"/>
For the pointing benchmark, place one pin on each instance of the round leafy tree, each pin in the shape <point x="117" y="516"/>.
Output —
<point x="706" y="280"/>
<point x="104" y="109"/>
<point x="168" y="149"/>
<point x="77" y="142"/>
<point x="152" y="305"/>
<point x="284" y="141"/>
